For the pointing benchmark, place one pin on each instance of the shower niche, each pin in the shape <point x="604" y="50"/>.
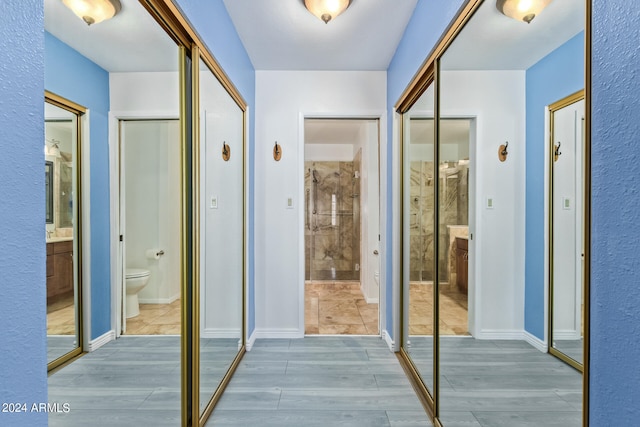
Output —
<point x="332" y="220"/>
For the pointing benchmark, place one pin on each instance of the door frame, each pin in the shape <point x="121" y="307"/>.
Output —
<point x="116" y="208"/>
<point x="383" y="202"/>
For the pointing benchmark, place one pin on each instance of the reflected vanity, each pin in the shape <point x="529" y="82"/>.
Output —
<point x="61" y="148"/>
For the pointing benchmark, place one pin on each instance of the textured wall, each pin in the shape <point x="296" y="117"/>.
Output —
<point x="555" y="76"/>
<point x="615" y="288"/>
<point x="23" y="371"/>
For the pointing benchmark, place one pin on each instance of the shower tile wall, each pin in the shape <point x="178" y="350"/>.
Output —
<point x="454" y="199"/>
<point x="332" y="244"/>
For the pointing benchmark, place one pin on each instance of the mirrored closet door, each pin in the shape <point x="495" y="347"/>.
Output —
<point x="222" y="238"/>
<point x="497" y="85"/>
<point x="62" y="141"/>
<point x="567" y="227"/>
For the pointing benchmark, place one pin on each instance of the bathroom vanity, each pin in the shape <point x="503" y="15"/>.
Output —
<point x="462" y="264"/>
<point x="59" y="267"/>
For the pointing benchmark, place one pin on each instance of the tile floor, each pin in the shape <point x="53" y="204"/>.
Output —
<point x="61" y="318"/>
<point x="338" y="308"/>
<point x="156" y="319"/>
<point x="453" y="310"/>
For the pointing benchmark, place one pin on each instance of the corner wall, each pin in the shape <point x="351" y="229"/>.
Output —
<point x="23" y="358"/>
<point x="72" y="76"/>
<point x="614" y="386"/>
<point x="555" y="76"/>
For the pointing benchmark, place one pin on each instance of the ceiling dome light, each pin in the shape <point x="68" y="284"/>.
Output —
<point x="326" y="9"/>
<point x="521" y="10"/>
<point x="94" y="11"/>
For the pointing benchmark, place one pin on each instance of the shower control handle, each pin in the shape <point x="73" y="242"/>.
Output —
<point x="375" y="252"/>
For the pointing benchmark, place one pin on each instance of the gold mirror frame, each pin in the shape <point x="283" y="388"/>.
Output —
<point x="417" y="86"/>
<point x="554" y="154"/>
<point x="79" y="111"/>
<point x="193" y="48"/>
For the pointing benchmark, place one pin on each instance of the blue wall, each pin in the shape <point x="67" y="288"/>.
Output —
<point x="555" y="76"/>
<point x="430" y="19"/>
<point x="23" y="358"/>
<point x="211" y="20"/>
<point x="615" y="264"/>
<point x="72" y="76"/>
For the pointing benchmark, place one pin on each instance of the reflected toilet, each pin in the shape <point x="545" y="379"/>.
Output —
<point x="136" y="279"/>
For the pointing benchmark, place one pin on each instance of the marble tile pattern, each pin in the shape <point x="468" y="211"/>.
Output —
<point x="453" y="310"/>
<point x="338" y="307"/>
<point x="156" y="319"/>
<point x="61" y="316"/>
<point x="332" y="250"/>
<point x="454" y="210"/>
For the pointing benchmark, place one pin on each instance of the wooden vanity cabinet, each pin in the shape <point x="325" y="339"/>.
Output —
<point x="462" y="264"/>
<point x="59" y="268"/>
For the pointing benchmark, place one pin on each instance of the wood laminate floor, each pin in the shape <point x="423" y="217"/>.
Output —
<point x="320" y="381"/>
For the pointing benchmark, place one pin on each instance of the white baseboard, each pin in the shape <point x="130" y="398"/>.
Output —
<point x="375" y="300"/>
<point x="567" y="334"/>
<point x="101" y="340"/>
<point x="220" y="333"/>
<point x="535" y="342"/>
<point x="387" y="338"/>
<point x="251" y="340"/>
<point x="159" y="300"/>
<point x="292" y="333"/>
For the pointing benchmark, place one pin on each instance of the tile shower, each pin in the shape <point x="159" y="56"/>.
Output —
<point x="454" y="199"/>
<point x="332" y="220"/>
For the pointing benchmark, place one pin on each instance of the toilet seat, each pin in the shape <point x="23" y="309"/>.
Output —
<point x="132" y="273"/>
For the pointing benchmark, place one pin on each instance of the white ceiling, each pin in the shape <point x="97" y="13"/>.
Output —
<point x="283" y="35"/>
<point x="131" y="41"/>
<point x="491" y="41"/>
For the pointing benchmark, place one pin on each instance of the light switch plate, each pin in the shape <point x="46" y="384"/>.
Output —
<point x="214" y="202"/>
<point x="289" y="202"/>
<point x="566" y="203"/>
<point x="489" y="202"/>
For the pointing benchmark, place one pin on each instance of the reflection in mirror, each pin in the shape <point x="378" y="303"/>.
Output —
<point x="568" y="218"/>
<point x="418" y="233"/>
<point x="498" y="77"/>
<point x="222" y="232"/>
<point x="61" y="157"/>
<point x="125" y="71"/>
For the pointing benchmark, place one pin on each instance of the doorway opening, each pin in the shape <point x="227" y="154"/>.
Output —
<point x="150" y="227"/>
<point x="454" y="217"/>
<point x="342" y="226"/>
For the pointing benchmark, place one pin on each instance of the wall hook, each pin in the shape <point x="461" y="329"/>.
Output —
<point x="503" y="152"/>
<point x="277" y="152"/>
<point x="556" y="152"/>
<point x="226" y="151"/>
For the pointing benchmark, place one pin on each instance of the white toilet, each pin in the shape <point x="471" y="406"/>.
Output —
<point x="136" y="279"/>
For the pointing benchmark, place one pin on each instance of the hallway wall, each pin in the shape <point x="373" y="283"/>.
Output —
<point x="615" y="293"/>
<point x="73" y="76"/>
<point x="23" y="307"/>
<point x="282" y="97"/>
